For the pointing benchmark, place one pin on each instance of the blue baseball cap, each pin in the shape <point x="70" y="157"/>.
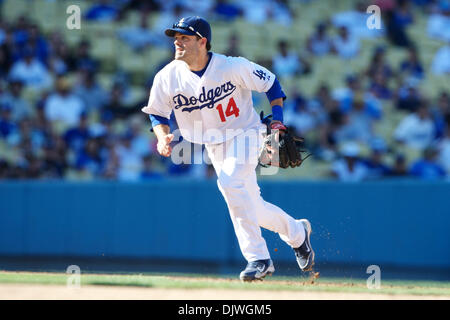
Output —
<point x="192" y="26"/>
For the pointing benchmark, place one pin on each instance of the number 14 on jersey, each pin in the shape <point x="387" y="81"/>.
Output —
<point x="229" y="111"/>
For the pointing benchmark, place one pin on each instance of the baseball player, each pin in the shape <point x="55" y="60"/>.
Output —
<point x="210" y="95"/>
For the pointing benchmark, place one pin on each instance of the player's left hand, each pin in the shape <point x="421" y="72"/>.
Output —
<point x="277" y="125"/>
<point x="282" y="148"/>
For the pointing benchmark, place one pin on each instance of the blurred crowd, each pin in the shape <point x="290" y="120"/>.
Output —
<point x="80" y="129"/>
<point x="344" y="118"/>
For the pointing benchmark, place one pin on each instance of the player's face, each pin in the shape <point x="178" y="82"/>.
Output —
<point x="187" y="48"/>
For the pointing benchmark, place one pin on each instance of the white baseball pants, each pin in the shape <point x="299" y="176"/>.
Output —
<point x="235" y="162"/>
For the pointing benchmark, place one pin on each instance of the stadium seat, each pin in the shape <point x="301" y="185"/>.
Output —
<point x="105" y="80"/>
<point x="4" y="150"/>
<point x="134" y="60"/>
<point x="156" y="56"/>
<point x="50" y="15"/>
<point x="138" y="94"/>
<point x="78" y="175"/>
<point x="220" y="35"/>
<point x="411" y="155"/>
<point x="12" y="9"/>
<point x="59" y="127"/>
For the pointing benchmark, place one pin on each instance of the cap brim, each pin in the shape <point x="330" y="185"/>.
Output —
<point x="171" y="32"/>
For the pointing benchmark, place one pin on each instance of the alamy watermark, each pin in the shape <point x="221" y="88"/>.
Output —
<point x="374" y="281"/>
<point x="244" y="146"/>
<point x="74" y="20"/>
<point x="374" y="21"/>
<point x="74" y="279"/>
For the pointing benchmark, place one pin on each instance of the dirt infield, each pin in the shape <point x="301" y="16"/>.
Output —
<point x="89" y="292"/>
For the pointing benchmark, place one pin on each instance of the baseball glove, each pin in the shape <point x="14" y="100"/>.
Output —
<point x="281" y="148"/>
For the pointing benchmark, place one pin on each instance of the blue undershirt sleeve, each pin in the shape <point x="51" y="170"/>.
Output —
<point x="275" y="92"/>
<point x="156" y="120"/>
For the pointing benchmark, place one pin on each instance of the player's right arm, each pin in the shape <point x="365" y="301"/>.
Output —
<point x="159" y="111"/>
<point x="162" y="132"/>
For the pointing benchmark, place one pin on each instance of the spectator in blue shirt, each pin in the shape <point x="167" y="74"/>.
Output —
<point x="396" y="29"/>
<point x="380" y="88"/>
<point x="403" y="15"/>
<point x="91" y="158"/>
<point x="54" y="158"/>
<point x="378" y="64"/>
<point x="346" y="97"/>
<point x="412" y="67"/>
<point x="375" y="164"/>
<point x="440" y="112"/>
<point x="91" y="91"/>
<point x="428" y="168"/>
<point x="38" y="43"/>
<point x="76" y="137"/>
<point x="226" y="10"/>
<point x="20" y="107"/>
<point x="82" y="60"/>
<point x="104" y="11"/>
<point x="399" y="169"/>
<point x="20" y="31"/>
<point x="148" y="171"/>
<point x="7" y="126"/>
<point x="5" y="59"/>
<point x="408" y="97"/>
<point x="319" y="43"/>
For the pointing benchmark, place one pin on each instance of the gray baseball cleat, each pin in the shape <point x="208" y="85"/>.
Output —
<point x="257" y="270"/>
<point x="305" y="254"/>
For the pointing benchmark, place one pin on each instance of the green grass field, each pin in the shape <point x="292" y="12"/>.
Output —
<point x="276" y="283"/>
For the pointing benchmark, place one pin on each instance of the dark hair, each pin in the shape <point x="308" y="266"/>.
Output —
<point x="208" y="44"/>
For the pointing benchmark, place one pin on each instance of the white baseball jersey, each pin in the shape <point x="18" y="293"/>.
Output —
<point x="218" y="101"/>
<point x="215" y="109"/>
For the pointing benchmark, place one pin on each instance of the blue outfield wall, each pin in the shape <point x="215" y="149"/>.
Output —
<point x="398" y="223"/>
